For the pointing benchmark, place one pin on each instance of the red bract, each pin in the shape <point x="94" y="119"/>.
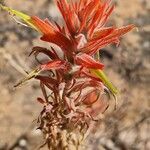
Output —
<point x="86" y="61"/>
<point x="56" y="64"/>
<point x="52" y="34"/>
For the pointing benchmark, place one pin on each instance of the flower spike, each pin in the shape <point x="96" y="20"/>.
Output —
<point x="73" y="82"/>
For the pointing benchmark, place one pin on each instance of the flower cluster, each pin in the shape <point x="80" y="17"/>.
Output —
<point x="72" y="81"/>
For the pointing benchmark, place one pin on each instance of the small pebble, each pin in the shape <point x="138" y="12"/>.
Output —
<point x="22" y="143"/>
<point x="36" y="132"/>
<point x="17" y="148"/>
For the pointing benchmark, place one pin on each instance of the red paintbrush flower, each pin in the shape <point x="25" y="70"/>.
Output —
<point x="73" y="84"/>
<point x="84" y="33"/>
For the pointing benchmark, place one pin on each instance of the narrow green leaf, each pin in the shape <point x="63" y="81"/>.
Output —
<point x="25" y="18"/>
<point x="100" y="74"/>
<point x="30" y="75"/>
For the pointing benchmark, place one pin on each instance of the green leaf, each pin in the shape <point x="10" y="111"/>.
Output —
<point x="30" y="75"/>
<point x="25" y="18"/>
<point x="100" y="74"/>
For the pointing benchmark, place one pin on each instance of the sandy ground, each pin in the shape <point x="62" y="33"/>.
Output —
<point x="128" y="66"/>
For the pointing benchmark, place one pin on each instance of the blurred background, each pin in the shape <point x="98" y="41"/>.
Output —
<point x="128" y="67"/>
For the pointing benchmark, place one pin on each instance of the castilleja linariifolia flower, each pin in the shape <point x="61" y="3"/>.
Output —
<point x="72" y="80"/>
